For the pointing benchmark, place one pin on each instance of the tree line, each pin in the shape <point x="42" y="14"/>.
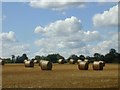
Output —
<point x="111" y="57"/>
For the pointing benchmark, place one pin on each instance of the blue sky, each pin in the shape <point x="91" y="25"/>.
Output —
<point x="21" y="19"/>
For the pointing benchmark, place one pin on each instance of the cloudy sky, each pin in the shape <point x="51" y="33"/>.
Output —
<point x="42" y="28"/>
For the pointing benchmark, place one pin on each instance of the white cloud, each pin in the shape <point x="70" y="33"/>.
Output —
<point x="56" y="4"/>
<point x="104" y="46"/>
<point x="61" y="27"/>
<point x="25" y="1"/>
<point x="106" y="0"/>
<point x="10" y="46"/>
<point x="69" y="29"/>
<point x="64" y="36"/>
<point x="59" y="5"/>
<point x="10" y="36"/>
<point x="9" y="49"/>
<point x="92" y="36"/>
<point x="68" y="48"/>
<point x="39" y="29"/>
<point x="107" y="18"/>
<point x="64" y="27"/>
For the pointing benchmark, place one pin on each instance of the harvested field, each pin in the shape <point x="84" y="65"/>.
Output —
<point x="61" y="76"/>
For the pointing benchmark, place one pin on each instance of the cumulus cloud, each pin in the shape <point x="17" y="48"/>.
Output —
<point x="9" y="49"/>
<point x="10" y="46"/>
<point x="39" y="29"/>
<point x="61" y="27"/>
<point x="64" y="27"/>
<point x="104" y="0"/>
<point x="56" y="5"/>
<point x="91" y="36"/>
<point x="69" y="29"/>
<point x="104" y="46"/>
<point x="107" y="18"/>
<point x="64" y="36"/>
<point x="7" y="36"/>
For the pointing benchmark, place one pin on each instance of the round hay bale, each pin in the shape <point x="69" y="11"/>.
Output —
<point x="103" y="62"/>
<point x="61" y="61"/>
<point x="35" y="61"/>
<point x="29" y="64"/>
<point x="2" y="62"/>
<point x="71" y="61"/>
<point x="83" y="65"/>
<point x="46" y="65"/>
<point x="86" y="60"/>
<point x="40" y="62"/>
<point x="78" y="61"/>
<point x="25" y="60"/>
<point x="97" y="65"/>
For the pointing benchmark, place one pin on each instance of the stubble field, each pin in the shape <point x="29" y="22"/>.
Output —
<point x="61" y="76"/>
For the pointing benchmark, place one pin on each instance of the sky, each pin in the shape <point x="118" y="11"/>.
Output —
<point x="42" y="28"/>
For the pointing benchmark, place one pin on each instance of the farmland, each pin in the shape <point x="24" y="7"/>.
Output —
<point x="61" y="76"/>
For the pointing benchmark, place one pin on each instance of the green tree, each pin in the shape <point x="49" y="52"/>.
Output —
<point x="102" y="57"/>
<point x="112" y="51"/>
<point x="7" y="60"/>
<point x="108" y="58"/>
<point x="54" y="57"/>
<point x="22" y="58"/>
<point x="87" y="57"/>
<point x="82" y="57"/>
<point x="74" y="57"/>
<point x="97" y="56"/>
<point x="117" y="55"/>
<point x="37" y="57"/>
<point x="112" y="56"/>
<point x="13" y="58"/>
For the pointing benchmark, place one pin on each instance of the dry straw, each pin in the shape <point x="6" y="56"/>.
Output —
<point x="71" y="61"/>
<point x="46" y="65"/>
<point x="61" y="61"/>
<point x="86" y="60"/>
<point x="83" y="65"/>
<point x="35" y="61"/>
<point x="29" y="63"/>
<point x="40" y="62"/>
<point x="25" y="60"/>
<point x="97" y="65"/>
<point x="103" y="62"/>
<point x="78" y="61"/>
